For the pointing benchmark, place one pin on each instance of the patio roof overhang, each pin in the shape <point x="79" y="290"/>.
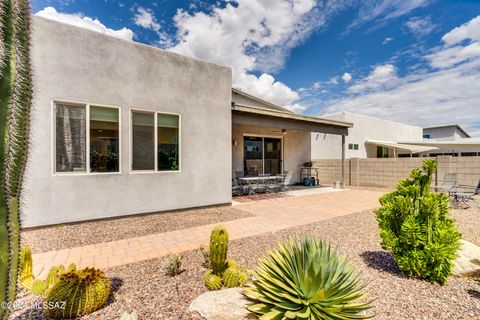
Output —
<point x="401" y="146"/>
<point x="263" y="117"/>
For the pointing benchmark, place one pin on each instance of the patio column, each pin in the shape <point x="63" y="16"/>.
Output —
<point x="343" y="161"/>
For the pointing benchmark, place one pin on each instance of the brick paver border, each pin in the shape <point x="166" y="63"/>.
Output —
<point x="270" y="215"/>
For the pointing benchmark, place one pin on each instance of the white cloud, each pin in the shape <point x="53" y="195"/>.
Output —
<point x="252" y="36"/>
<point x="382" y="76"/>
<point x="333" y="80"/>
<point x="386" y="9"/>
<point x="79" y="20"/>
<point x="420" y="26"/>
<point x="387" y="40"/>
<point x="469" y="30"/>
<point x="346" y="77"/>
<point x="448" y="93"/>
<point x="146" y="19"/>
<point x="454" y="50"/>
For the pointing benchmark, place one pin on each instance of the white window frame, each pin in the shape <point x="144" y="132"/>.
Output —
<point x="155" y="149"/>
<point x="86" y="105"/>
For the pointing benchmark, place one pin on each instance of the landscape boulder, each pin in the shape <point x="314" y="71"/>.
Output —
<point x="468" y="262"/>
<point x="227" y="304"/>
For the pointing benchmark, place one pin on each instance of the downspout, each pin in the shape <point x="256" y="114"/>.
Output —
<point x="343" y="162"/>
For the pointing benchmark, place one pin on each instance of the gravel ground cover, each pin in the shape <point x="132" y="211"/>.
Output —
<point x="79" y="234"/>
<point x="145" y="287"/>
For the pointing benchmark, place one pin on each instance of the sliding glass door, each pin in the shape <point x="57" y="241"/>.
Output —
<point x="262" y="155"/>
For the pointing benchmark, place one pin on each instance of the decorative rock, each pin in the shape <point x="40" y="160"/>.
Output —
<point x="227" y="304"/>
<point x="464" y="265"/>
<point x="129" y="316"/>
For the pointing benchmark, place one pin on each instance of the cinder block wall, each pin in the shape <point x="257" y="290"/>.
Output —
<point x="466" y="168"/>
<point x="387" y="172"/>
<point x="330" y="170"/>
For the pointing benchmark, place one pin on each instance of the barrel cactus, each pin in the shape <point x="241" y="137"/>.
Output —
<point x="15" y="102"/>
<point x="77" y="293"/>
<point x="28" y="280"/>
<point x="231" y="277"/>
<point x="306" y="280"/>
<point x="212" y="281"/>
<point x="218" y="249"/>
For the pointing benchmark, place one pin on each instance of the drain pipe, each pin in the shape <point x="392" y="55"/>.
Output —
<point x="342" y="186"/>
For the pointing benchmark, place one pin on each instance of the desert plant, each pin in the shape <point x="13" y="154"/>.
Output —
<point x="28" y="280"/>
<point x="77" y="293"/>
<point x="15" y="102"/>
<point x="218" y="249"/>
<point x="206" y="256"/>
<point x="306" y="280"/>
<point x="173" y="265"/>
<point x="212" y="281"/>
<point x="308" y="164"/>
<point x="415" y="226"/>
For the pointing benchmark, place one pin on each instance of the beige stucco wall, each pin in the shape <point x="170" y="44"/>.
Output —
<point x="296" y="147"/>
<point x="75" y="64"/>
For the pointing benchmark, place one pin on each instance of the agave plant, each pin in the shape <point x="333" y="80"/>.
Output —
<point x="306" y="280"/>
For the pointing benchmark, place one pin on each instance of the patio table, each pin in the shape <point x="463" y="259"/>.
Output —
<point x="249" y="180"/>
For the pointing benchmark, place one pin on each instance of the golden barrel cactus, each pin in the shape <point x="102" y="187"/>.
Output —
<point x="77" y="293"/>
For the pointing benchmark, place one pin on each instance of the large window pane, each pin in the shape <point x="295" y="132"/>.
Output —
<point x="167" y="142"/>
<point x="143" y="141"/>
<point x="70" y="138"/>
<point x="104" y="139"/>
<point x="253" y="155"/>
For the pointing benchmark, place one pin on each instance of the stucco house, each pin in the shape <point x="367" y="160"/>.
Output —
<point x="449" y="140"/>
<point x="121" y="128"/>
<point x="370" y="137"/>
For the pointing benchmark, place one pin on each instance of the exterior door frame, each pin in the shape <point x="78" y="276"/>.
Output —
<point x="263" y="148"/>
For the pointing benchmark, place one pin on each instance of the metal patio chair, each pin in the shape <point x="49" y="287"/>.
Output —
<point x="449" y="181"/>
<point x="465" y="196"/>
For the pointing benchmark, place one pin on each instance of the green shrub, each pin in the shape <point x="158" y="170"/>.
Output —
<point x="174" y="265"/>
<point x="306" y="280"/>
<point x="415" y="226"/>
<point x="77" y="293"/>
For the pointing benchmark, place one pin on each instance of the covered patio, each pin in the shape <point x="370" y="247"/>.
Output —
<point x="269" y="140"/>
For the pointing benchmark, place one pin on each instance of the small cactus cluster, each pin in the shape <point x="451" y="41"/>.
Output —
<point x="222" y="272"/>
<point x="77" y="293"/>
<point x="36" y="286"/>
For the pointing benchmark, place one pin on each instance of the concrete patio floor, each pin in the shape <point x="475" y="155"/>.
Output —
<point x="270" y="215"/>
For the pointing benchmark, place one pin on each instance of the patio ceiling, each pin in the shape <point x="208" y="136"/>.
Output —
<point x="263" y="117"/>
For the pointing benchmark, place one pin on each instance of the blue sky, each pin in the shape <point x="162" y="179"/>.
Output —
<point x="415" y="61"/>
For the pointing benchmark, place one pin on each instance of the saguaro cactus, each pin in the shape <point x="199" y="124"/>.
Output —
<point x="15" y="102"/>
<point x="218" y="249"/>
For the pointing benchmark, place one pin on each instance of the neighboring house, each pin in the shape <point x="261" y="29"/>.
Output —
<point x="370" y="137"/>
<point x="121" y="128"/>
<point x="446" y="132"/>
<point x="450" y="140"/>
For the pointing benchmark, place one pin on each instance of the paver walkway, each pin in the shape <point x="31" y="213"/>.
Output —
<point x="270" y="215"/>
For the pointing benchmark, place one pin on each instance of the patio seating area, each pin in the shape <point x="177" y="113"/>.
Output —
<point x="258" y="184"/>
<point x="462" y="196"/>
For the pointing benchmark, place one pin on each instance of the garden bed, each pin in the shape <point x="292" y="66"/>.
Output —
<point x="144" y="287"/>
<point x="85" y="233"/>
